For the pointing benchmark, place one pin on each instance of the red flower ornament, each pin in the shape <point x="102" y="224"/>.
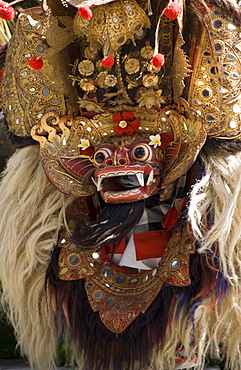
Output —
<point x="127" y="123"/>
<point x="6" y="11"/>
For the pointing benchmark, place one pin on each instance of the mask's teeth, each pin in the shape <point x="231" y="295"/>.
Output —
<point x="150" y="178"/>
<point x="140" y="177"/>
<point x="97" y="184"/>
<point x="92" y="178"/>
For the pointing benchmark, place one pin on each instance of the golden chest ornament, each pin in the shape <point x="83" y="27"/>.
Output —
<point x="119" y="296"/>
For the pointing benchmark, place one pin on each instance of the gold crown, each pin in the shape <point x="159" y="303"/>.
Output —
<point x="72" y="81"/>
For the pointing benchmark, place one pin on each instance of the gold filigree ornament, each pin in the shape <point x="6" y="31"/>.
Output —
<point x="122" y="18"/>
<point x="80" y="26"/>
<point x="90" y="53"/>
<point x="70" y="168"/>
<point x="100" y="67"/>
<point x="147" y="52"/>
<point x="215" y="91"/>
<point x="29" y="93"/>
<point x="58" y="33"/>
<point x="120" y="297"/>
<point x="87" y="85"/>
<point x="90" y="105"/>
<point x="150" y="99"/>
<point x="110" y="80"/>
<point x="150" y="80"/>
<point x="132" y="66"/>
<point x="86" y="67"/>
<point x="181" y="68"/>
<point x="100" y="80"/>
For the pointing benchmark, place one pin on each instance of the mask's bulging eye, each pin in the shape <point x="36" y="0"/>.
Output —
<point x="101" y="155"/>
<point x="141" y="153"/>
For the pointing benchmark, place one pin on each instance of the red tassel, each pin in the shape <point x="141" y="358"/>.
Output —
<point x="173" y="10"/>
<point x="108" y="61"/>
<point x="158" y="60"/>
<point x="85" y="11"/>
<point x="36" y="63"/>
<point x="6" y="11"/>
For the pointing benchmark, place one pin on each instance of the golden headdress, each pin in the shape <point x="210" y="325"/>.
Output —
<point x="71" y="80"/>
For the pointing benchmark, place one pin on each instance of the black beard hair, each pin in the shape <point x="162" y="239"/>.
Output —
<point x="113" y="224"/>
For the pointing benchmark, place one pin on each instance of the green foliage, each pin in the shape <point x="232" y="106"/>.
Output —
<point x="7" y="341"/>
<point x="214" y="362"/>
<point x="61" y="355"/>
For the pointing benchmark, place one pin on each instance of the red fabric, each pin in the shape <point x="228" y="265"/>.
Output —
<point x="170" y="218"/>
<point x="108" y="250"/>
<point x="151" y="244"/>
<point x="120" y="250"/>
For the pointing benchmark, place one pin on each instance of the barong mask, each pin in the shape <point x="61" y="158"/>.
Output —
<point x="130" y="101"/>
<point x="121" y="104"/>
<point x="91" y="157"/>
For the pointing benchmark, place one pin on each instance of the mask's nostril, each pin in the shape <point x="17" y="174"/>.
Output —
<point x="109" y="162"/>
<point x="122" y="161"/>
